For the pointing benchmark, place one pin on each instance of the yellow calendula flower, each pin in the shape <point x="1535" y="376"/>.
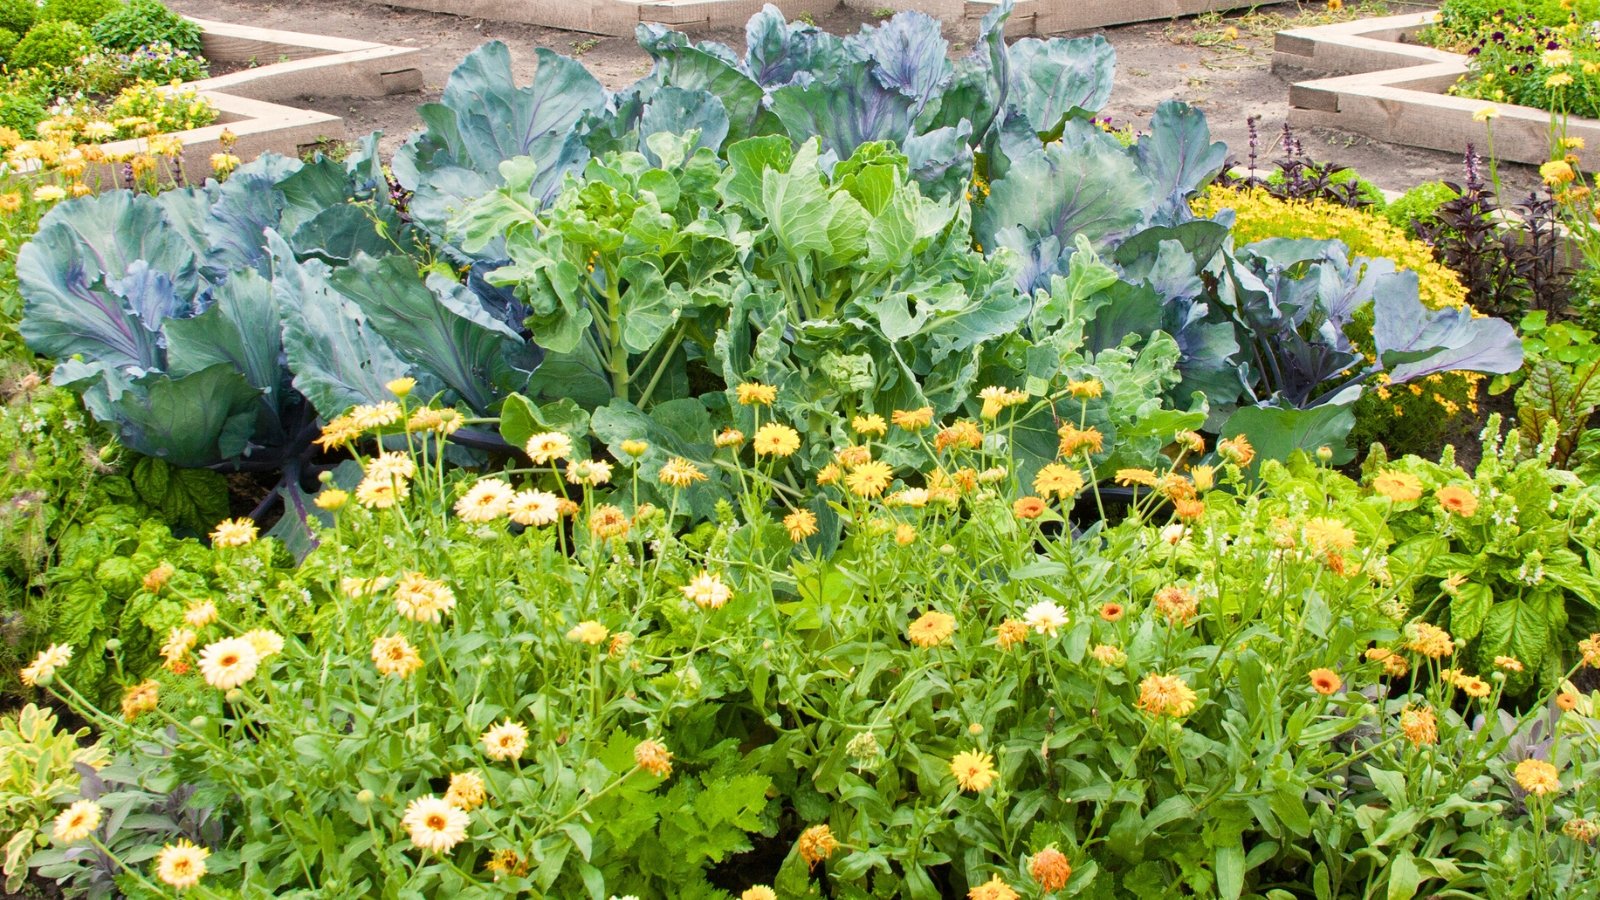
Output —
<point x="1075" y="439"/>
<point x="548" y="446"/>
<point x="776" y="439"/>
<point x="708" y="591"/>
<point x="1323" y="535"/>
<point x="376" y="415"/>
<point x="1087" y="389"/>
<point x="1166" y="695"/>
<point x="1557" y="172"/>
<point x="393" y="655"/>
<point x="974" y="770"/>
<point x="869" y="479"/>
<point x="680" y="473"/>
<point x="141" y="698"/>
<point x="754" y="393"/>
<point x="1057" y="480"/>
<point x="635" y="448"/>
<point x="331" y="499"/>
<point x="993" y="889"/>
<point x="588" y="632"/>
<point x="607" y="521"/>
<point x="931" y="629"/>
<point x="912" y="419"/>
<point x="1400" y="487"/>
<point x="234" y="533"/>
<point x="1131" y="477"/>
<point x="1429" y="640"/>
<point x="870" y="425"/>
<point x="962" y="435"/>
<point x="1558" y="80"/>
<point x="1538" y="777"/>
<point x="1010" y="633"/>
<point x="467" y="791"/>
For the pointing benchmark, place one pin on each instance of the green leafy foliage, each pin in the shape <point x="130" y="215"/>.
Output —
<point x="38" y="768"/>
<point x="17" y="16"/>
<point x="52" y="44"/>
<point x="145" y="23"/>
<point x="84" y="13"/>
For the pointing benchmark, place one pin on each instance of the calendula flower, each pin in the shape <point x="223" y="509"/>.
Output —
<point x="607" y="521"/>
<point x="974" y="770"/>
<point x="680" y="473"/>
<point x="653" y="757"/>
<point x="1419" y="726"/>
<point x="141" y="698"/>
<point x="400" y="387"/>
<point x="1111" y="611"/>
<point x="1394" y="665"/>
<point x="179" y="642"/>
<point x="728" y="437"/>
<point x="181" y="865"/>
<point x="44" y="665"/>
<point x="1076" y="439"/>
<point x="376" y="415"/>
<point x="1236" y="450"/>
<point x="392" y="466"/>
<point x="1474" y="687"/>
<point x="1166" y="695"/>
<point x="434" y="824"/>
<point x="620" y="642"/>
<point x="505" y="741"/>
<point x="588" y="632"/>
<point x="1484" y="114"/>
<point x="546" y="447"/>
<point x="869" y="479"/>
<point x="1045" y="617"/>
<point x="234" y="533"/>
<point x="1131" y="477"/>
<point x="1557" y="172"/>
<point x="467" y="791"/>
<point x="77" y="822"/>
<point x="487" y="500"/>
<point x="438" y="421"/>
<point x="1177" y="604"/>
<point x="912" y="419"/>
<point x="1029" y="507"/>
<point x="912" y="498"/>
<point x="708" y="591"/>
<point x="993" y="889"/>
<point x="816" y="844"/>
<point x="1109" y="656"/>
<point x="331" y="499"/>
<point x="869" y="425"/>
<point x="393" y="655"/>
<point x="1558" y="80"/>
<point x="1400" y="487"/>
<point x="905" y="534"/>
<point x="754" y="393"/>
<point x="1050" y="868"/>
<point x="1583" y="831"/>
<point x="228" y="663"/>
<point x="1088" y="389"/>
<point x="49" y="193"/>
<point x="1566" y="701"/>
<point x="1589" y="649"/>
<point x="1325" y="681"/>
<point x="1204" y="478"/>
<point x="1058" y="480"/>
<point x="1429" y="640"/>
<point x="380" y="494"/>
<point x="1538" y="777"/>
<point x="508" y="863"/>
<point x="534" y="508"/>
<point x="423" y="599"/>
<point x="1010" y="633"/>
<point x="591" y="472"/>
<point x="962" y="435"/>
<point x="635" y="448"/>
<point x="996" y="398"/>
<point x="776" y="439"/>
<point x="931" y="629"/>
<point x="1457" y="500"/>
<point x="759" y="892"/>
<point x="801" y="524"/>
<point x="1324" y="535"/>
<point x="266" y="641"/>
<point x="1508" y="663"/>
<point x="157" y="578"/>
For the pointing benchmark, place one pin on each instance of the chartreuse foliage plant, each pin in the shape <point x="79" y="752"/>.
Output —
<point x="529" y="680"/>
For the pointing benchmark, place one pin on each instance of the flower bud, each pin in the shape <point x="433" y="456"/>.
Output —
<point x="113" y="645"/>
<point x="365" y="797"/>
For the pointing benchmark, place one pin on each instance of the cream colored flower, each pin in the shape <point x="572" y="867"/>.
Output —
<point x="228" y="663"/>
<point x="487" y="500"/>
<point x="77" y="822"/>
<point x="181" y="865"/>
<point x="507" y="740"/>
<point x="46" y="663"/>
<point x="434" y="824"/>
<point x="708" y="591"/>
<point x="534" y="508"/>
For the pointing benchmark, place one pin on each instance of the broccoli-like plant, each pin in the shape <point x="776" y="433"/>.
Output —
<point x="79" y="12"/>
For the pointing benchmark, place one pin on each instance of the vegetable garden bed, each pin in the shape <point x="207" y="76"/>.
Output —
<point x="1383" y="86"/>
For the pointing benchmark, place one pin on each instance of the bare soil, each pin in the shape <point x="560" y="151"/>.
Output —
<point x="1180" y="59"/>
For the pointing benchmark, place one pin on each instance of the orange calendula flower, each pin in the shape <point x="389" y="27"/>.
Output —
<point x="870" y="425"/>
<point x="1178" y="605"/>
<point x="850" y="457"/>
<point x="974" y="770"/>
<point x="1028" y="507"/>
<point x="140" y="699"/>
<point x="1400" y="487"/>
<point x="1108" y="655"/>
<point x="801" y="524"/>
<point x="1419" y="725"/>
<point x="607" y="521"/>
<point x="816" y="844"/>
<point x="1457" y="500"/>
<point x="653" y="757"/>
<point x="1088" y="389"/>
<point x="1166" y="695"/>
<point x="1589" y="649"/>
<point x="962" y="435"/>
<point x="1050" y="868"/>
<point x="1325" y="681"/>
<point x="1010" y="633"/>
<point x="728" y="437"/>
<point x="931" y="629"/>
<point x="1236" y="450"/>
<point x="1566" y="701"/>
<point x="1394" y="665"/>
<point x="1189" y="510"/>
<point x="1112" y="611"/>
<point x="1508" y="663"/>
<point x="1538" y="777"/>
<point x="1429" y="640"/>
